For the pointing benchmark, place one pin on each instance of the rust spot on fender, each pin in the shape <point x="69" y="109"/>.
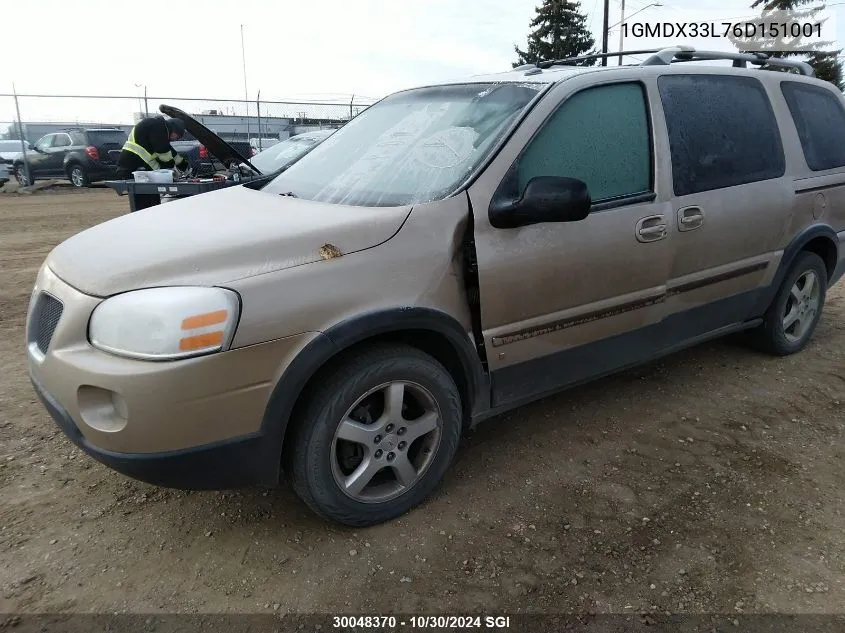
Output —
<point x="329" y="251"/>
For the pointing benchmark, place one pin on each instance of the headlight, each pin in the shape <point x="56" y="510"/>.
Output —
<point x="165" y="323"/>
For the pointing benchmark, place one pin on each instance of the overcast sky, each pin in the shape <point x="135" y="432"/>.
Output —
<point x="314" y="49"/>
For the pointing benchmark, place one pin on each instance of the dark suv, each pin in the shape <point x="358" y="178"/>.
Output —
<point x="83" y="155"/>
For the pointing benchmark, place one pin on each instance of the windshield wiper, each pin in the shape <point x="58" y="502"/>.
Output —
<point x="289" y="194"/>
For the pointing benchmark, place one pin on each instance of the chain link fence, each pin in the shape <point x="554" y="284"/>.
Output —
<point x="261" y="122"/>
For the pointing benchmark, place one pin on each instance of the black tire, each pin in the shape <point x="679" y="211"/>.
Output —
<point x="20" y="176"/>
<point x="77" y="175"/>
<point x="772" y="337"/>
<point x="311" y="454"/>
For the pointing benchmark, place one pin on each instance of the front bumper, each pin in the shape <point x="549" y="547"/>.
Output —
<point x="196" y="423"/>
<point x="220" y="466"/>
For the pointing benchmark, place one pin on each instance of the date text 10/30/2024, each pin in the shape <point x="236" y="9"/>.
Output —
<point x="423" y="622"/>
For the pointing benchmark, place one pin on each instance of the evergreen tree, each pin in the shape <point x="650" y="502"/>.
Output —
<point x="558" y="30"/>
<point x="826" y="64"/>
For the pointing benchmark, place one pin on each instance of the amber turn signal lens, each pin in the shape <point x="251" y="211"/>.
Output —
<point x="201" y="341"/>
<point x="204" y="320"/>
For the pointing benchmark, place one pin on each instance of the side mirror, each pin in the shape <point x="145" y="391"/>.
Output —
<point x="545" y="199"/>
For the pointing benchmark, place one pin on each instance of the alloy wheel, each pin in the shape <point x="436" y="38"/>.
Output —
<point x="77" y="177"/>
<point x="802" y="305"/>
<point x="386" y="442"/>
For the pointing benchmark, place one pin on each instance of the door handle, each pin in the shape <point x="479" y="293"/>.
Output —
<point x="690" y="218"/>
<point x="651" y="228"/>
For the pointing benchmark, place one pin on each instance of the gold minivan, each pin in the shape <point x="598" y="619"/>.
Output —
<point x="453" y="252"/>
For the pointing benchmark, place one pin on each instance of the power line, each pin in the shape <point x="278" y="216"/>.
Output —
<point x="592" y="16"/>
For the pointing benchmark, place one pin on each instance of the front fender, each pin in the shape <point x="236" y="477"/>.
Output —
<point x="344" y="335"/>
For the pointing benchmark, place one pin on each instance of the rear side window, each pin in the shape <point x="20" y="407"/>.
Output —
<point x="106" y="137"/>
<point x="599" y="135"/>
<point x="722" y="132"/>
<point x="820" y="120"/>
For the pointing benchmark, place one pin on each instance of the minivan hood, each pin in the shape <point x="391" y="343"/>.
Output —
<point x="216" y="146"/>
<point x="216" y="238"/>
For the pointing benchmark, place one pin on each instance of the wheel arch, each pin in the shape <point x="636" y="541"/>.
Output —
<point x="820" y="239"/>
<point x="19" y="164"/>
<point x="432" y="331"/>
<point x="72" y="161"/>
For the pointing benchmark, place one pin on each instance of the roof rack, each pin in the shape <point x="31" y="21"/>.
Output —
<point x="574" y="60"/>
<point x="676" y="54"/>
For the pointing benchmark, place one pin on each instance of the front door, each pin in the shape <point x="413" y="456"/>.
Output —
<point x="57" y="153"/>
<point x="39" y="158"/>
<point x="565" y="302"/>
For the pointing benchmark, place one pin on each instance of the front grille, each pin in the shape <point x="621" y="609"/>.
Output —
<point x="45" y="317"/>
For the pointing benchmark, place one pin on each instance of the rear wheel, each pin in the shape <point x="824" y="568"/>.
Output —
<point x="376" y="437"/>
<point x="21" y="177"/>
<point x="791" y="320"/>
<point x="78" y="176"/>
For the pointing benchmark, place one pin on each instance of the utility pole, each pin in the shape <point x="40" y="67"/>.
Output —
<point x="21" y="136"/>
<point x="621" y="31"/>
<point x="246" y="92"/>
<point x="604" y="31"/>
<point x="258" y="113"/>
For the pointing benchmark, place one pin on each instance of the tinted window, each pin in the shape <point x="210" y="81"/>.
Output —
<point x="600" y="136"/>
<point x="820" y="120"/>
<point x="61" y="140"/>
<point x="106" y="137"/>
<point x="722" y="132"/>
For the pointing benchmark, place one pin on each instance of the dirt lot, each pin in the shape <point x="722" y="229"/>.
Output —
<point x="711" y="482"/>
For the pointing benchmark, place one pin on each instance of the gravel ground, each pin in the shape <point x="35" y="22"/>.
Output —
<point x="710" y="482"/>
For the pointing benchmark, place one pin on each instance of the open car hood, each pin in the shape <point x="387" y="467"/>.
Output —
<point x="215" y="145"/>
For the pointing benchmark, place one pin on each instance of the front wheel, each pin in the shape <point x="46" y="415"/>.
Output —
<point x="21" y="177"/>
<point x="77" y="175"/>
<point x="791" y="319"/>
<point x="376" y="437"/>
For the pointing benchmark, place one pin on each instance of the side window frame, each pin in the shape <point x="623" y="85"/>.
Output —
<point x="770" y="111"/>
<point x="58" y="136"/>
<point x="48" y="141"/>
<point x="795" y="120"/>
<point x="506" y="187"/>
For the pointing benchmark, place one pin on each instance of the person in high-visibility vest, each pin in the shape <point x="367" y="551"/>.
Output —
<point x="148" y="147"/>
